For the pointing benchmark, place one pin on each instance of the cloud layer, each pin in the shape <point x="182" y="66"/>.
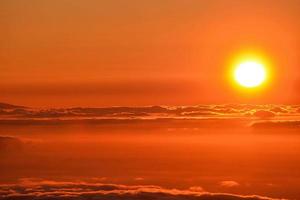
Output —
<point x="50" y="190"/>
<point x="227" y="110"/>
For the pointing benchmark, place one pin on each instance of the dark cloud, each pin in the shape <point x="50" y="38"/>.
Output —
<point x="264" y="114"/>
<point x="50" y="190"/>
<point x="277" y="124"/>
<point x="13" y="114"/>
<point x="278" y="109"/>
<point x="9" y="106"/>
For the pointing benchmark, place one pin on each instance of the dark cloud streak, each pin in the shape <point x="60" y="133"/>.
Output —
<point x="51" y="190"/>
<point x="227" y="110"/>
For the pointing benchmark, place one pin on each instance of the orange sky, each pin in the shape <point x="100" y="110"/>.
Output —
<point x="103" y="53"/>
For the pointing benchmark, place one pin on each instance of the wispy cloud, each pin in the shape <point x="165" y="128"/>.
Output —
<point x="291" y="124"/>
<point x="229" y="184"/>
<point x="14" y="115"/>
<point x="43" y="189"/>
<point x="161" y="111"/>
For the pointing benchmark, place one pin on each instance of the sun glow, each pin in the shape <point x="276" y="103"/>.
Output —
<point x="250" y="74"/>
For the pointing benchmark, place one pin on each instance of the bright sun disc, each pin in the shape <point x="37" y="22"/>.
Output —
<point x="250" y="74"/>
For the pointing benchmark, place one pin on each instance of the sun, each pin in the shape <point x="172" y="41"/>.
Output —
<point x="250" y="74"/>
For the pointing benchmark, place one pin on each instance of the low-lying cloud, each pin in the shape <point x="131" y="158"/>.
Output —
<point x="227" y="110"/>
<point x="50" y="190"/>
<point x="290" y="124"/>
<point x="200" y="116"/>
<point x="229" y="184"/>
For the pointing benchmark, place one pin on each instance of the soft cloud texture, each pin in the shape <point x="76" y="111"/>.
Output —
<point x="264" y="114"/>
<point x="229" y="184"/>
<point x="8" y="111"/>
<point x="48" y="190"/>
<point x="291" y="124"/>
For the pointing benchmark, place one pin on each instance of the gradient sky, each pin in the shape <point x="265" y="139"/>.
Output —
<point x="118" y="52"/>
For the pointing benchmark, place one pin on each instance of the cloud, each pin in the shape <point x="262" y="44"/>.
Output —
<point x="9" y="106"/>
<point x="139" y="179"/>
<point x="264" y="114"/>
<point x="196" y="189"/>
<point x="51" y="190"/>
<point x="229" y="184"/>
<point x="15" y="115"/>
<point x="277" y="124"/>
<point x="279" y="109"/>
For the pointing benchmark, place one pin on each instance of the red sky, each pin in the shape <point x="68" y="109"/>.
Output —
<point x="103" y="53"/>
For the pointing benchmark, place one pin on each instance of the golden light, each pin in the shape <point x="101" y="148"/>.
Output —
<point x="250" y="74"/>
